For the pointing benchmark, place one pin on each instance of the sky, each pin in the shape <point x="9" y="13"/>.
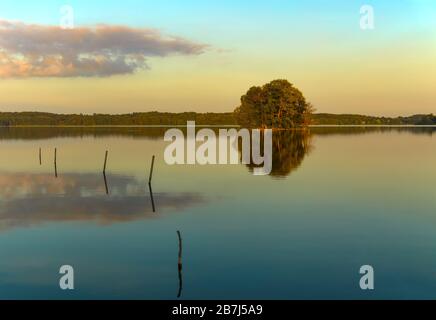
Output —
<point x="193" y="55"/>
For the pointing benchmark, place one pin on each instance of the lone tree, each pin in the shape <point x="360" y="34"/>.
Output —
<point x="276" y="105"/>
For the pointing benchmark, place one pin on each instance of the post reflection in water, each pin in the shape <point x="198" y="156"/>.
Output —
<point x="179" y="265"/>
<point x="151" y="197"/>
<point x="105" y="183"/>
<point x="150" y="189"/>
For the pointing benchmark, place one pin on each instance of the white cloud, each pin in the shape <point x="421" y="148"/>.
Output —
<point x="99" y="51"/>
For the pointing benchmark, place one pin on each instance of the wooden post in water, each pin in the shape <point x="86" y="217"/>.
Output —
<point x="104" y="173"/>
<point x="105" y="163"/>
<point x="56" y="162"/>
<point x="151" y="170"/>
<point x="40" y="157"/>
<point x="180" y="265"/>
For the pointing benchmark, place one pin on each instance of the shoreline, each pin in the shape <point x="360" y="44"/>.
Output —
<point x="221" y="126"/>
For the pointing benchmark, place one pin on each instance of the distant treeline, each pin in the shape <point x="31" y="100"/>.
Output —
<point x="9" y="119"/>
<point x="131" y="119"/>
<point x="350" y="119"/>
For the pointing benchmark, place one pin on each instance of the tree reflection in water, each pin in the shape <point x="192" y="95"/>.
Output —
<point x="289" y="148"/>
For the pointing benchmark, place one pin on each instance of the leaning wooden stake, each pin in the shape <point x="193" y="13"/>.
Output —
<point x="56" y="162"/>
<point x="105" y="163"/>
<point x="151" y="170"/>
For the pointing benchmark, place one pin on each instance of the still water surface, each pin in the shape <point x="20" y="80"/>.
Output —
<point x="337" y="199"/>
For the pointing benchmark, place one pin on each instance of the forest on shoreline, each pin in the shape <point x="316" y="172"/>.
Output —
<point x="11" y="119"/>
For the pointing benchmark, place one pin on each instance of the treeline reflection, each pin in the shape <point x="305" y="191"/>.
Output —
<point x="38" y="133"/>
<point x="290" y="147"/>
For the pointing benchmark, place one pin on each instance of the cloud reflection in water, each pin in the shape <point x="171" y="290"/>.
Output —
<point x="34" y="199"/>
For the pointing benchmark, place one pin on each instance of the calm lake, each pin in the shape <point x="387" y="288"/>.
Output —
<point x="337" y="199"/>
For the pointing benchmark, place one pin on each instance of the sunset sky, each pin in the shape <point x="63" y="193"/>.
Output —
<point x="193" y="55"/>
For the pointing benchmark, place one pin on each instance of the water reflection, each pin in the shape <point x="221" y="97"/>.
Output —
<point x="41" y="133"/>
<point x="35" y="199"/>
<point x="29" y="133"/>
<point x="383" y="190"/>
<point x="360" y="130"/>
<point x="289" y="148"/>
<point x="180" y="265"/>
<point x="105" y="183"/>
<point x="151" y="197"/>
<point x="149" y="184"/>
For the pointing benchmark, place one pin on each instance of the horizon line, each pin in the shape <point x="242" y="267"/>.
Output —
<point x="209" y="112"/>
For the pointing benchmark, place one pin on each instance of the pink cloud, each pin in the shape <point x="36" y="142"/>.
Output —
<point x="98" y="51"/>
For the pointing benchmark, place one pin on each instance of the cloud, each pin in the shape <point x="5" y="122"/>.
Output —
<point x="99" y="51"/>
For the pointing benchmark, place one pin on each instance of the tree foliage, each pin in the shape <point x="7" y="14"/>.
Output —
<point x="277" y="105"/>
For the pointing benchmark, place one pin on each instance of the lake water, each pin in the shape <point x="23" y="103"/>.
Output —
<point x="337" y="199"/>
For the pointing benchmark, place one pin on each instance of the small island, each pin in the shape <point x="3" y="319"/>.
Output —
<point x="276" y="105"/>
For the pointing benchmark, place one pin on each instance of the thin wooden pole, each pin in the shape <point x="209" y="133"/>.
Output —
<point x="105" y="162"/>
<point x="180" y="265"/>
<point x="56" y="162"/>
<point x="40" y="157"/>
<point x="151" y="170"/>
